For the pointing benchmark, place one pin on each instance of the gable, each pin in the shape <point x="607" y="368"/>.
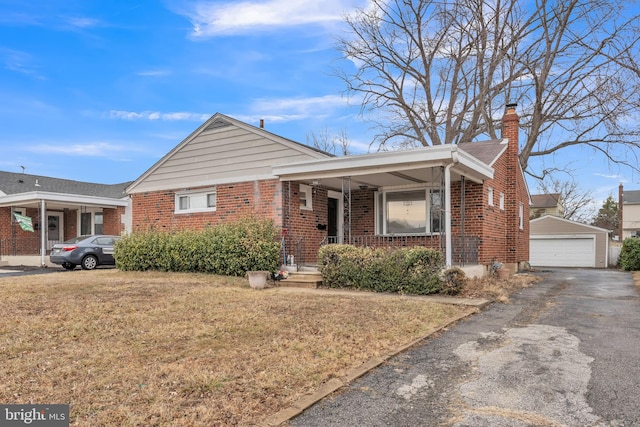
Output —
<point x="555" y="225"/>
<point x="222" y="150"/>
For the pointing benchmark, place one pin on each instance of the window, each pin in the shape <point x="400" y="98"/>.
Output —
<point x="521" y="216"/>
<point x="97" y="219"/>
<point x="85" y="223"/>
<point x="414" y="211"/>
<point x="490" y="195"/>
<point x="501" y="201"/>
<point x="306" y="197"/>
<point x="91" y="223"/>
<point x="202" y="201"/>
<point x="20" y="211"/>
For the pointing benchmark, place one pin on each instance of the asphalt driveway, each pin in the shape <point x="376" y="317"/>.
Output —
<point x="565" y="352"/>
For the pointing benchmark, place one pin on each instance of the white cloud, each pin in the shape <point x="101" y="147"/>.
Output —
<point x="156" y="115"/>
<point x="154" y="73"/>
<point x="302" y="107"/>
<point x="210" y="19"/>
<point x="91" y="149"/>
<point x="20" y="62"/>
<point x="82" y="22"/>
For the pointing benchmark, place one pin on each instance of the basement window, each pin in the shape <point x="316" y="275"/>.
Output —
<point x="410" y="211"/>
<point x="200" y="201"/>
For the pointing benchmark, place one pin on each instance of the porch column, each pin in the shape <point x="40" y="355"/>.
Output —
<point x="43" y="232"/>
<point x="447" y="209"/>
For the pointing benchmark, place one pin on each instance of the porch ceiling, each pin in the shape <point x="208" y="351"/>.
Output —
<point x="386" y="169"/>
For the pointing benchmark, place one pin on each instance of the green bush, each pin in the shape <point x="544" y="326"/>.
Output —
<point x="630" y="254"/>
<point x="408" y="271"/>
<point x="229" y="249"/>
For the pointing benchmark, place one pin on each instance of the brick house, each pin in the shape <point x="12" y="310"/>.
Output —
<point x="468" y="200"/>
<point x="69" y="208"/>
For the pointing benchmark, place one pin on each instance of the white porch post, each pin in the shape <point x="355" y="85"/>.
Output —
<point x="43" y="232"/>
<point x="447" y="208"/>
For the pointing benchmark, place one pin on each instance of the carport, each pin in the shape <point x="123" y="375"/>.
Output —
<point x="559" y="242"/>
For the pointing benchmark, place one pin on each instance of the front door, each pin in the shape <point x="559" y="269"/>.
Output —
<point x="334" y="217"/>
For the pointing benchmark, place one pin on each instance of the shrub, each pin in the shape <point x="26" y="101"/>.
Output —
<point x="229" y="249"/>
<point x="630" y="254"/>
<point x="453" y="281"/>
<point x="410" y="271"/>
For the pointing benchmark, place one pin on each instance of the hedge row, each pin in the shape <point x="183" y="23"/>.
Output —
<point x="229" y="249"/>
<point x="408" y="271"/>
<point x="630" y="254"/>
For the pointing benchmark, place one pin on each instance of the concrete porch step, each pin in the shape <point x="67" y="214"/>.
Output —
<point x="302" y="279"/>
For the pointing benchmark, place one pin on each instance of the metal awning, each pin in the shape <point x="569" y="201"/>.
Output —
<point x="384" y="169"/>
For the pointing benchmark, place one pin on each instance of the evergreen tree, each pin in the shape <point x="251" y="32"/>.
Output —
<point x="607" y="216"/>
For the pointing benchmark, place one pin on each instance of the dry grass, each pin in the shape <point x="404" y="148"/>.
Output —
<point x="492" y="288"/>
<point x="191" y="350"/>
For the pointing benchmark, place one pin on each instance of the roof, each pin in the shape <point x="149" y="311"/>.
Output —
<point x="631" y="196"/>
<point x="223" y="150"/>
<point x="486" y="151"/>
<point x="566" y="222"/>
<point x="12" y="183"/>
<point x="545" y="200"/>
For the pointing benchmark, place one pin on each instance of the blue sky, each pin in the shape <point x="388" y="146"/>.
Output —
<point x="99" y="90"/>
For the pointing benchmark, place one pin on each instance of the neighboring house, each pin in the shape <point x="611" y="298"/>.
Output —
<point x="546" y="204"/>
<point x="468" y="200"/>
<point x="559" y="242"/>
<point x="68" y="208"/>
<point x="629" y="212"/>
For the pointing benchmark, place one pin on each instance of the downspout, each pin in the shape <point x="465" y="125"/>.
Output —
<point x="43" y="233"/>
<point x="447" y="207"/>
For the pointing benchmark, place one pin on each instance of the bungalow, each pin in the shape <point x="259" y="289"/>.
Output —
<point x="468" y="200"/>
<point x="68" y="208"/>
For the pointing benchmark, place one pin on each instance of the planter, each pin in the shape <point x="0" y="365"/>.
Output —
<point x="258" y="279"/>
<point x="503" y="273"/>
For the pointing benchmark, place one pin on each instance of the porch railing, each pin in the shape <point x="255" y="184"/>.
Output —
<point x="23" y="246"/>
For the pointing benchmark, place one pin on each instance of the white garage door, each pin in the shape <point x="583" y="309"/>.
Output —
<point x="575" y="251"/>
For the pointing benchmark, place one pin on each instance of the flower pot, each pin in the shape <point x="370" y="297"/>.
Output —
<point x="503" y="273"/>
<point x="258" y="279"/>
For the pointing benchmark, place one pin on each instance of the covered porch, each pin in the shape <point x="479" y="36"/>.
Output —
<point x="420" y="197"/>
<point x="54" y="218"/>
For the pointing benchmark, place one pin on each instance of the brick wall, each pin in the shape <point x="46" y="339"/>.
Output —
<point x="302" y="224"/>
<point x="156" y="210"/>
<point x="112" y="220"/>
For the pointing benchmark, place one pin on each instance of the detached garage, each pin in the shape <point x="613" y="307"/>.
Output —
<point x="559" y="242"/>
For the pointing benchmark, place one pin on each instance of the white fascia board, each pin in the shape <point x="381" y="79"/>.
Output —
<point x="201" y="183"/>
<point x="482" y="170"/>
<point x="61" y="197"/>
<point x="392" y="161"/>
<point x="362" y="164"/>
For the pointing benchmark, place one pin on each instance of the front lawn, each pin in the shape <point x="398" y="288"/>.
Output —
<point x="127" y="349"/>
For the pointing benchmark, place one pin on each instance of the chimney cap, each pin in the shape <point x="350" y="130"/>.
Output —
<point x="512" y="105"/>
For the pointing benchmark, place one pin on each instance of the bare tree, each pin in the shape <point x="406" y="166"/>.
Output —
<point x="436" y="72"/>
<point x="576" y="204"/>
<point x="338" y="144"/>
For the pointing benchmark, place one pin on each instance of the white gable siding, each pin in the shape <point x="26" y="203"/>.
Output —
<point x="222" y="154"/>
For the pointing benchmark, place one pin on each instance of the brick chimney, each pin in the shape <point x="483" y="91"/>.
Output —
<point x="517" y="239"/>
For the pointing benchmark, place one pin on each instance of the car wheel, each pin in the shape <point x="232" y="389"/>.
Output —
<point x="89" y="262"/>
<point x="68" y="265"/>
